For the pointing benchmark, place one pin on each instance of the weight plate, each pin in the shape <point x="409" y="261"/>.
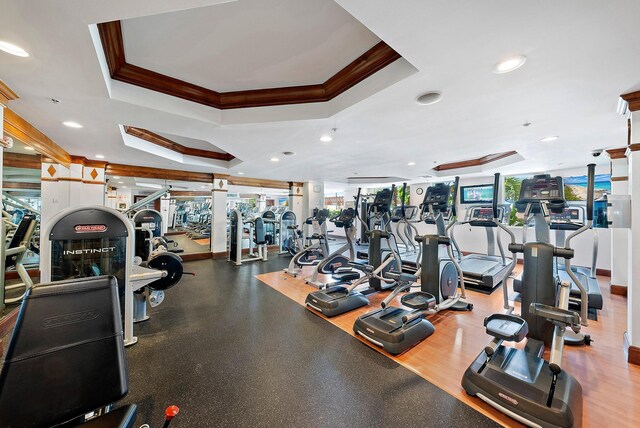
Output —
<point x="172" y="264"/>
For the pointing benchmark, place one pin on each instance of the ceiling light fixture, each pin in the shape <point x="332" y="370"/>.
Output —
<point x="509" y="64"/>
<point x="72" y="124"/>
<point x="274" y="159"/>
<point x="326" y="138"/>
<point x="411" y="163"/>
<point x="241" y="173"/>
<point x="28" y="148"/>
<point x="549" y="138"/>
<point x="120" y="182"/>
<point x="13" y="49"/>
<point x="116" y="178"/>
<point x="429" y="98"/>
<point x="149" y="185"/>
<point x="100" y="156"/>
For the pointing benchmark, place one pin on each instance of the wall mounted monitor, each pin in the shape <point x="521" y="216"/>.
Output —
<point x="478" y="194"/>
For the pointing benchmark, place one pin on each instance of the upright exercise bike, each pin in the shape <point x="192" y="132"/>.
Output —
<point x="520" y="382"/>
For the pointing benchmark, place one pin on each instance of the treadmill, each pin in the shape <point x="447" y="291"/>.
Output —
<point x="484" y="272"/>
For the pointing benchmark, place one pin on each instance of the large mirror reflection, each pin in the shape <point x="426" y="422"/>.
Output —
<point x="21" y="205"/>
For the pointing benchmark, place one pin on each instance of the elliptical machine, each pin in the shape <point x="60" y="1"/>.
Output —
<point x="397" y="329"/>
<point x="520" y="382"/>
<point x="314" y="252"/>
<point x="337" y="264"/>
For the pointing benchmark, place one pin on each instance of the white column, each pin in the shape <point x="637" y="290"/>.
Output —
<point x="262" y="202"/>
<point x="165" y="201"/>
<point x="633" y="293"/>
<point x="619" y="237"/>
<point x="295" y="200"/>
<point x="415" y="198"/>
<point x="312" y="197"/>
<point x="54" y="182"/>
<point x="219" y="216"/>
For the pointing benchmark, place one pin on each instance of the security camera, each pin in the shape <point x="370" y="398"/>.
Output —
<point x="596" y="153"/>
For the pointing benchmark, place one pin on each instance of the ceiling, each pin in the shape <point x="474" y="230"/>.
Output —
<point x="248" y="44"/>
<point x="581" y="55"/>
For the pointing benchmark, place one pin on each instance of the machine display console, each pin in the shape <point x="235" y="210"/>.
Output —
<point x="541" y="188"/>
<point x="437" y="196"/>
<point x="568" y="215"/>
<point x="382" y="201"/>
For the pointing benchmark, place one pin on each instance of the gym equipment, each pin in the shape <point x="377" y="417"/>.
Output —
<point x="287" y="232"/>
<point x="484" y="271"/>
<point x="96" y="240"/>
<point x="148" y="226"/>
<point x="14" y="256"/>
<point x="376" y="216"/>
<point x="519" y="382"/>
<point x="313" y="252"/>
<point x="336" y="264"/>
<point x="397" y="329"/>
<point x="405" y="228"/>
<point x="57" y="369"/>
<point x="256" y="235"/>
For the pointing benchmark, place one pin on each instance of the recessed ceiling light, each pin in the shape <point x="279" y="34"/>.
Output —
<point x="120" y="182"/>
<point x="549" y="138"/>
<point x="100" y="156"/>
<point x="509" y="64"/>
<point x="274" y="159"/>
<point x="72" y="124"/>
<point x="28" y="148"/>
<point x="124" y="187"/>
<point x="203" y="187"/>
<point x="429" y="98"/>
<point x="411" y="163"/>
<point x="241" y="173"/>
<point x="13" y="49"/>
<point x="326" y="138"/>
<point x="116" y="178"/>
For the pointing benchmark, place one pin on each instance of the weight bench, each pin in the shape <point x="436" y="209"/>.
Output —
<point x="66" y="357"/>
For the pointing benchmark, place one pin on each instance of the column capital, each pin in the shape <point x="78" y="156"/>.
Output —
<point x="6" y="94"/>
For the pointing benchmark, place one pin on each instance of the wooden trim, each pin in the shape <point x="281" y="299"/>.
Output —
<point x="603" y="272"/>
<point x="19" y="160"/>
<point x="93" y="182"/>
<point x="633" y="98"/>
<point x="195" y="256"/>
<point x="619" y="290"/>
<point x="16" y="185"/>
<point x="619" y="178"/>
<point x="620" y="153"/>
<point x="633" y="355"/>
<point x="6" y="94"/>
<point x="258" y="182"/>
<point x="475" y="162"/>
<point x="293" y="184"/>
<point x="189" y="193"/>
<point x="8" y="321"/>
<point x="166" y="143"/>
<point x="20" y="129"/>
<point x="220" y="190"/>
<point x="146" y="172"/>
<point x="49" y="179"/>
<point x="78" y="180"/>
<point x="632" y="147"/>
<point x="372" y="61"/>
<point x="12" y="274"/>
<point x="81" y="160"/>
<point x="220" y="255"/>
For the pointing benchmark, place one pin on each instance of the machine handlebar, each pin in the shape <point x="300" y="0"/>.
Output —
<point x="591" y="173"/>
<point x="496" y="185"/>
<point x="404" y="189"/>
<point x="456" y="182"/>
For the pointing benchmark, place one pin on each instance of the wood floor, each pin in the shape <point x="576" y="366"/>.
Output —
<point x="611" y="387"/>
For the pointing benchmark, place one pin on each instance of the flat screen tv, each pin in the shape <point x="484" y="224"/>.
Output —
<point x="479" y="194"/>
